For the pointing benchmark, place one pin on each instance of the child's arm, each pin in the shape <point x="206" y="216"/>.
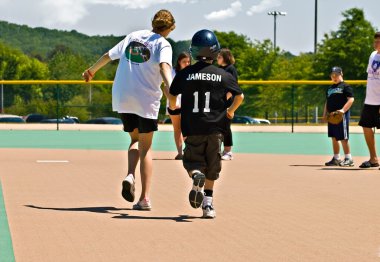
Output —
<point x="347" y="106"/>
<point x="166" y="74"/>
<point x="228" y="95"/>
<point x="89" y="73"/>
<point x="235" y="104"/>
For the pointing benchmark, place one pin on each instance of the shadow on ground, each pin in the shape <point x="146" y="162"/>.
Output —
<point x="108" y="210"/>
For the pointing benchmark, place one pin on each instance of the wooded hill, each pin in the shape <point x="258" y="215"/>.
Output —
<point x="40" y="53"/>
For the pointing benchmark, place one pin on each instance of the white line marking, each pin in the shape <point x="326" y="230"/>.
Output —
<point x="52" y="161"/>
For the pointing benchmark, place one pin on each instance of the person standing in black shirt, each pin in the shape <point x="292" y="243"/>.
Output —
<point x="226" y="61"/>
<point x="204" y="116"/>
<point x="339" y="97"/>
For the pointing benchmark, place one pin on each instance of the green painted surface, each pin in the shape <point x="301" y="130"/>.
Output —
<point x="265" y="143"/>
<point x="6" y="249"/>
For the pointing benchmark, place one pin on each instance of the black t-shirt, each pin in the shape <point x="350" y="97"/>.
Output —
<point x="203" y="102"/>
<point x="231" y="69"/>
<point x="337" y="96"/>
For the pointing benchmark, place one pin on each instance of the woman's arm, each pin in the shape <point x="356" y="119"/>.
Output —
<point x="89" y="73"/>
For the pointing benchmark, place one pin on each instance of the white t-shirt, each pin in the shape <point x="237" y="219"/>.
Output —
<point x="136" y="88"/>
<point x="178" y="101"/>
<point x="373" y="80"/>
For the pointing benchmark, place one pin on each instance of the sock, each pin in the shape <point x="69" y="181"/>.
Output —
<point x="207" y="201"/>
<point x="348" y="156"/>
<point x="208" y="192"/>
<point x="336" y="156"/>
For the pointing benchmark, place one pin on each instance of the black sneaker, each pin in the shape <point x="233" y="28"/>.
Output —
<point x="196" y="194"/>
<point x="333" y="162"/>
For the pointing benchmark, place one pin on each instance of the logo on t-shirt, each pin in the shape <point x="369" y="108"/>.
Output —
<point x="375" y="65"/>
<point x="336" y="90"/>
<point x="137" y="52"/>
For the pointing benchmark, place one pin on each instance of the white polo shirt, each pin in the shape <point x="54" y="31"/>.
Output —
<point x="136" y="88"/>
<point x="373" y="80"/>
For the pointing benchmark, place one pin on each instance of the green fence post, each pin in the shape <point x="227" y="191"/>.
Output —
<point x="57" y="90"/>
<point x="293" y="89"/>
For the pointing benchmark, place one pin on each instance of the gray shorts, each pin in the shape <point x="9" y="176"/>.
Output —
<point x="204" y="154"/>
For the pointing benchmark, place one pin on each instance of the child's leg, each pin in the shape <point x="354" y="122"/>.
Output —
<point x="128" y="191"/>
<point x="347" y="157"/>
<point x="145" y="149"/>
<point x="336" y="147"/>
<point x="133" y="152"/>
<point x="178" y="139"/>
<point x="209" y="185"/>
<point x="194" y="162"/>
<point x="346" y="146"/>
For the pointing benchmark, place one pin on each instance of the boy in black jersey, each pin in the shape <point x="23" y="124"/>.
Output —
<point x="339" y="97"/>
<point x="204" y="116"/>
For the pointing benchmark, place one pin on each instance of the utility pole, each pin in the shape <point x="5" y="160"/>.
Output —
<point x="315" y="26"/>
<point x="275" y="14"/>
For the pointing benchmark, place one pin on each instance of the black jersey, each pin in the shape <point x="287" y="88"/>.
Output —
<point x="203" y="102"/>
<point x="337" y="96"/>
<point x="231" y="69"/>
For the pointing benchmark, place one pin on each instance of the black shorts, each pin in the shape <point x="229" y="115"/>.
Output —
<point x="340" y="131"/>
<point x="370" y="116"/>
<point x="133" y="121"/>
<point x="174" y="112"/>
<point x="203" y="153"/>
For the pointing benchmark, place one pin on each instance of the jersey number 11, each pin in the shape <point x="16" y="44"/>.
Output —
<point x="207" y="103"/>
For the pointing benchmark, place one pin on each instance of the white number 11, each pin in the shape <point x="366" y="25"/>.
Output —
<point x="207" y="103"/>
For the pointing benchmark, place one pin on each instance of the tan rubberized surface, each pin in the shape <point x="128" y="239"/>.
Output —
<point x="269" y="208"/>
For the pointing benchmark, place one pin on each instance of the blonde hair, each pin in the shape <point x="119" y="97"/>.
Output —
<point x="163" y="20"/>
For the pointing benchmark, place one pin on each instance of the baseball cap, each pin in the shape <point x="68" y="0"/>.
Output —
<point x="337" y="70"/>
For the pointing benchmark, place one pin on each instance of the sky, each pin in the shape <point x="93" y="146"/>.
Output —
<point x="295" y="31"/>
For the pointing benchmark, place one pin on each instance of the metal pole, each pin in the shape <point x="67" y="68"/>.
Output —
<point x="275" y="22"/>
<point x="293" y="89"/>
<point x="2" y="98"/>
<point x="57" y="89"/>
<point x="315" y="26"/>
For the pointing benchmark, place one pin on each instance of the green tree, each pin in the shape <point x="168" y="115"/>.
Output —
<point x="348" y="47"/>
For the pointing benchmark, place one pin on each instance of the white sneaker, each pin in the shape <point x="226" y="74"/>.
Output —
<point x="128" y="191"/>
<point x="208" y="208"/>
<point x="227" y="156"/>
<point x="143" y="205"/>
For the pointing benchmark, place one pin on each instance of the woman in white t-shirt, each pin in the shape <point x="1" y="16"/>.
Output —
<point x="183" y="61"/>
<point x="145" y="61"/>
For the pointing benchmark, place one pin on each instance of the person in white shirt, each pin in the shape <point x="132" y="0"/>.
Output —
<point x="145" y="61"/>
<point x="183" y="61"/>
<point x="370" y="116"/>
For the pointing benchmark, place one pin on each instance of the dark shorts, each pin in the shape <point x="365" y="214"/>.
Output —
<point x="203" y="153"/>
<point x="340" y="131"/>
<point x="133" y="121"/>
<point x="228" y="135"/>
<point x="174" y="112"/>
<point x="370" y="116"/>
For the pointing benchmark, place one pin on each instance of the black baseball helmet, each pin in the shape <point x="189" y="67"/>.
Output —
<point x="204" y="45"/>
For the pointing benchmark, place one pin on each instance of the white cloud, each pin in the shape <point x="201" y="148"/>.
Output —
<point x="263" y="6"/>
<point x="63" y="13"/>
<point x="135" y="4"/>
<point x="232" y="11"/>
<point x="67" y="12"/>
